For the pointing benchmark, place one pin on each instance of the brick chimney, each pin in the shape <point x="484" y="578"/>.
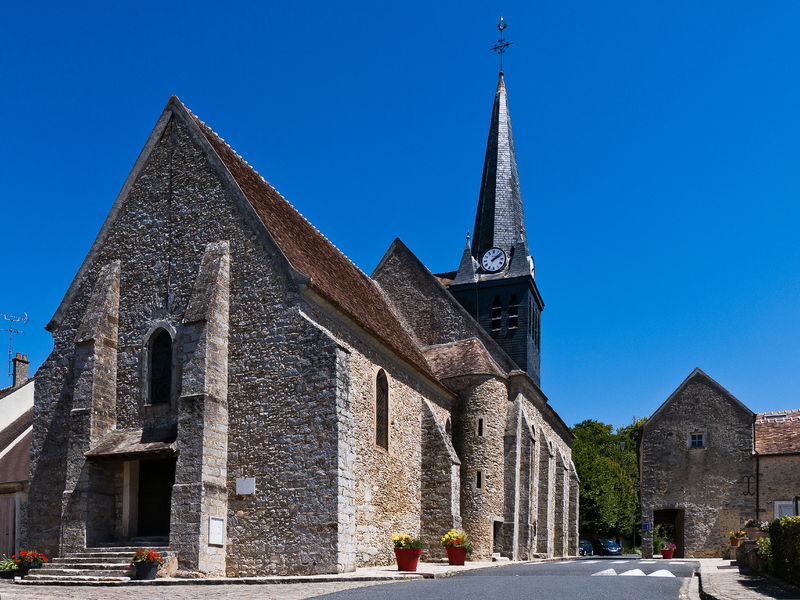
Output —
<point x="20" y="369"/>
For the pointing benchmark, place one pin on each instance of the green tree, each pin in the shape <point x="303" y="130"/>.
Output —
<point x="607" y="465"/>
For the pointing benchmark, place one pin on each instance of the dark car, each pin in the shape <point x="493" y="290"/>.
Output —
<point x="607" y="547"/>
<point x="585" y="548"/>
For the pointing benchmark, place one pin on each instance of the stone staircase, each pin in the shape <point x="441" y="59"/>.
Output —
<point x="102" y="564"/>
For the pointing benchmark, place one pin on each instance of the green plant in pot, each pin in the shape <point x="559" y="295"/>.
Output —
<point x="407" y="550"/>
<point x="146" y="563"/>
<point x="8" y="567"/>
<point x="28" y="560"/>
<point x="458" y="545"/>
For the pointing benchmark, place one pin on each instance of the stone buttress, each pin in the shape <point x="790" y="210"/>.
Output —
<point x="200" y="491"/>
<point x="93" y="414"/>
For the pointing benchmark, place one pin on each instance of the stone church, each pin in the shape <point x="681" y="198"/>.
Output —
<point x="225" y="383"/>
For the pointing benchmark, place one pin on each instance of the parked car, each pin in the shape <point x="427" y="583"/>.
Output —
<point x="607" y="547"/>
<point x="585" y="548"/>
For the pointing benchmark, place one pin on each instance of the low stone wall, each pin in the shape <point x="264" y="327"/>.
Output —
<point x="747" y="555"/>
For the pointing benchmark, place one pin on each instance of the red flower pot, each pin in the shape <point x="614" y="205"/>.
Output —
<point x="735" y="541"/>
<point x="667" y="552"/>
<point x="456" y="555"/>
<point x="407" y="558"/>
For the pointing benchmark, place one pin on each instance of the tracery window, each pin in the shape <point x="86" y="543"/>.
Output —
<point x="160" y="367"/>
<point x="382" y="410"/>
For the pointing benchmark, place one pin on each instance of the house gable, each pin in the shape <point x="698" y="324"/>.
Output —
<point x="700" y="377"/>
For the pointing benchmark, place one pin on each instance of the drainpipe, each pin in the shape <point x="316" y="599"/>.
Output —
<point x="758" y="471"/>
<point x="758" y="476"/>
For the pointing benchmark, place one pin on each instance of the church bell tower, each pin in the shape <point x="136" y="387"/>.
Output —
<point x="495" y="279"/>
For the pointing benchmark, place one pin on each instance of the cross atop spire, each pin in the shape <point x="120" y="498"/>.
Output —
<point x="501" y="45"/>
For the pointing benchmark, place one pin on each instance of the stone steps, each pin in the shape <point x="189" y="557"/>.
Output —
<point x="38" y="578"/>
<point x="109" y="563"/>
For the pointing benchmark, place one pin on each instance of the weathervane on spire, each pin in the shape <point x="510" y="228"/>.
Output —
<point x="501" y="45"/>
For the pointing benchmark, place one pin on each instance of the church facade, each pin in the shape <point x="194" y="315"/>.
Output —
<point x="226" y="383"/>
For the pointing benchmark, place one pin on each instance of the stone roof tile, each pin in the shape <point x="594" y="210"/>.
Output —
<point x="464" y="357"/>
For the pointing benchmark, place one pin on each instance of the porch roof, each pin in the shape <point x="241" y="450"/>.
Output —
<point x="122" y="443"/>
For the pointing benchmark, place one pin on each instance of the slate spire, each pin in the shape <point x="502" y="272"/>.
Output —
<point x="499" y="221"/>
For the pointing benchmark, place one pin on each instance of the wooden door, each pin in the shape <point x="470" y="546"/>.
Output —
<point x="8" y="518"/>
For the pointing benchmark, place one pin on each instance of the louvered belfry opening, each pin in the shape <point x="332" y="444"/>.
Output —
<point x="382" y="411"/>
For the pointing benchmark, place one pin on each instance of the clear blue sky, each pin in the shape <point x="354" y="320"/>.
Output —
<point x="658" y="150"/>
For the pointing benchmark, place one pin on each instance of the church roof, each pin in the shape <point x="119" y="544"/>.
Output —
<point x="330" y="272"/>
<point x="778" y="432"/>
<point x="463" y="357"/>
<point x="499" y="220"/>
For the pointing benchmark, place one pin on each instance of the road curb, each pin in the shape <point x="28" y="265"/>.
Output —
<point x="288" y="579"/>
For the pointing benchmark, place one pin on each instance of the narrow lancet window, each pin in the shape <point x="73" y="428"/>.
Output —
<point x="382" y="411"/>
<point x="161" y="368"/>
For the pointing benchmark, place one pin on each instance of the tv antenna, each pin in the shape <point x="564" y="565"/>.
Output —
<point x="11" y="331"/>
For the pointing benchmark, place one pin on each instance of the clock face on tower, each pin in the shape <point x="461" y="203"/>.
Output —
<point x="493" y="260"/>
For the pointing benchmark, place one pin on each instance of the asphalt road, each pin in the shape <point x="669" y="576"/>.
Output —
<point x="600" y="578"/>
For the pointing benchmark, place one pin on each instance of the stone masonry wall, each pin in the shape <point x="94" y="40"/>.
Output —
<point x="709" y="484"/>
<point x="778" y="480"/>
<point x="388" y="484"/>
<point x="441" y="484"/>
<point x="486" y="398"/>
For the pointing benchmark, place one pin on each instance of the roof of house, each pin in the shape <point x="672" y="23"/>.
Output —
<point x="331" y="273"/>
<point x="15" y="448"/>
<point x="778" y="432"/>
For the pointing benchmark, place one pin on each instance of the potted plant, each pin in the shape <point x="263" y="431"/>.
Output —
<point x="8" y="568"/>
<point x="737" y="537"/>
<point x="667" y="549"/>
<point x="146" y="563"/>
<point x="407" y="550"/>
<point x="458" y="546"/>
<point x="752" y="528"/>
<point x="28" y="560"/>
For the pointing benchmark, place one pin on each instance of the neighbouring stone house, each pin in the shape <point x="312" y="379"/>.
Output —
<point x="708" y="463"/>
<point x="226" y="382"/>
<point x="16" y="427"/>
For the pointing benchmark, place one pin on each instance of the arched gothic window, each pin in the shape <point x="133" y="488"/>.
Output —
<point x="160" y="367"/>
<point x="382" y="410"/>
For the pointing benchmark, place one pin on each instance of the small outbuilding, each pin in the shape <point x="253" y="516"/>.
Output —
<point x="708" y="463"/>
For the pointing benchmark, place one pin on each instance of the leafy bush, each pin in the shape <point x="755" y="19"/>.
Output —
<point x="765" y="552"/>
<point x="784" y="534"/>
